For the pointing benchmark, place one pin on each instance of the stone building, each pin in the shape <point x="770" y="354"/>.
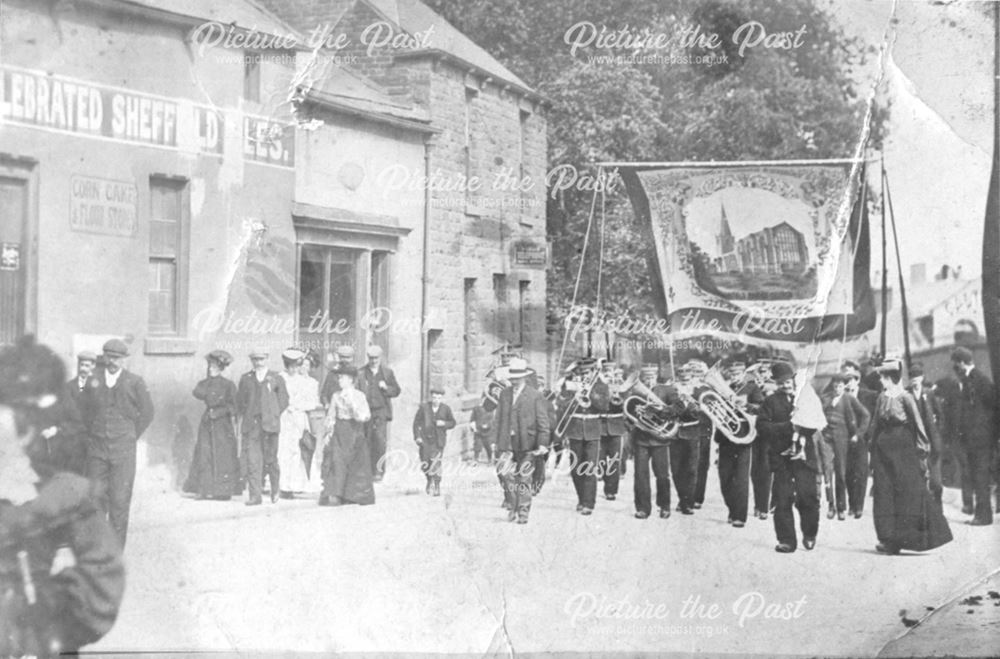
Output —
<point x="192" y="175"/>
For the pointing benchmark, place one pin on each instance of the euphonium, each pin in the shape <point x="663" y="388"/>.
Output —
<point x="646" y="411"/>
<point x="718" y="402"/>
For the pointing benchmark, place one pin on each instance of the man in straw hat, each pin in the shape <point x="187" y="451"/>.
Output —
<point x="522" y="434"/>
<point x="795" y="475"/>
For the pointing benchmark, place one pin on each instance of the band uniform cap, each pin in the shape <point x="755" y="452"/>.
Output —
<point x="961" y="355"/>
<point x="917" y="371"/>
<point x="115" y="348"/>
<point x="838" y="378"/>
<point x="374" y="351"/>
<point x="518" y="368"/>
<point x="780" y="372"/>
<point x="293" y="354"/>
<point x="259" y="353"/>
<point x="345" y="351"/>
<point x="87" y="356"/>
<point x="220" y="357"/>
<point x="649" y="370"/>
<point x="696" y="366"/>
<point x="437" y="390"/>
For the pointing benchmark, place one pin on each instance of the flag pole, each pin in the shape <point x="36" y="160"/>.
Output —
<point x="899" y="265"/>
<point x="991" y="224"/>
<point x="885" y="270"/>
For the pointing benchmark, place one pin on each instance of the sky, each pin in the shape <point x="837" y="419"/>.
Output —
<point x="938" y="77"/>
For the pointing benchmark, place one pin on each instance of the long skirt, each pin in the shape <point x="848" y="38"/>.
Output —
<point x="347" y="473"/>
<point x="215" y="466"/>
<point x="290" y="462"/>
<point x="906" y="514"/>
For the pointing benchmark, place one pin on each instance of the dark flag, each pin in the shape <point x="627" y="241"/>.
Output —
<point x="991" y="232"/>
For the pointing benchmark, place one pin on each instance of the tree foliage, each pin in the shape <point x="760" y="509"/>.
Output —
<point x="766" y="103"/>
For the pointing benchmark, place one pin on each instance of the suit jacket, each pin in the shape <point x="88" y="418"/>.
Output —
<point x="842" y="417"/>
<point x="774" y="427"/>
<point x="272" y="404"/>
<point x="522" y="425"/>
<point x="425" y="426"/>
<point x="972" y="410"/>
<point x="129" y="398"/>
<point x="379" y="401"/>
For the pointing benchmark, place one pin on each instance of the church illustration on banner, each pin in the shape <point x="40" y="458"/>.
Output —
<point x="768" y="260"/>
<point x="780" y="249"/>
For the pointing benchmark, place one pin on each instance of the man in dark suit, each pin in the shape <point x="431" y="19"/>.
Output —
<point x="378" y="383"/>
<point x="260" y="399"/>
<point x="431" y="424"/>
<point x="974" y="418"/>
<point x="120" y="410"/>
<point x="857" y="452"/>
<point x="930" y="413"/>
<point x="522" y="434"/>
<point x="795" y="476"/>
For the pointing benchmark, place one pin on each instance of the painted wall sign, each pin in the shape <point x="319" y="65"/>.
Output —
<point x="103" y="206"/>
<point x="68" y="105"/>
<point x="528" y="254"/>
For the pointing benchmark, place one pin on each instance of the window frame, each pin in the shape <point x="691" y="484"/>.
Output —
<point x="181" y="186"/>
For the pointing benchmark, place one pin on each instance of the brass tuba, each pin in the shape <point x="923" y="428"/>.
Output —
<point x="644" y="410"/>
<point x="719" y="403"/>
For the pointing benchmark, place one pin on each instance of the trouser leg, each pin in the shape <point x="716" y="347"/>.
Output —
<point x="640" y="482"/>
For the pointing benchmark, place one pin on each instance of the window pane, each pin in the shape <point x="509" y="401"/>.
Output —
<point x="163" y="238"/>
<point x="311" y="286"/>
<point x="342" y="292"/>
<point x="162" y="296"/>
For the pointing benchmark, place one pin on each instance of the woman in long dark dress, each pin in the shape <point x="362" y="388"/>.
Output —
<point x="215" y="466"/>
<point x="347" y="468"/>
<point x="906" y="515"/>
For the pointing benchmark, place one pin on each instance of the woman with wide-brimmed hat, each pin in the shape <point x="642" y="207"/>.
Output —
<point x="906" y="515"/>
<point x="347" y="468"/>
<point x="215" y="467"/>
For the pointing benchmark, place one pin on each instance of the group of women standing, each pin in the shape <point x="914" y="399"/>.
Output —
<point x="319" y="451"/>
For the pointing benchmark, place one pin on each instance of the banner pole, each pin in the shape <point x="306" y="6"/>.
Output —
<point x="885" y="271"/>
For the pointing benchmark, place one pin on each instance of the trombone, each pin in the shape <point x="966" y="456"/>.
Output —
<point x="581" y="397"/>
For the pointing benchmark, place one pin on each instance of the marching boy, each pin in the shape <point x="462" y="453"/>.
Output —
<point x="430" y="431"/>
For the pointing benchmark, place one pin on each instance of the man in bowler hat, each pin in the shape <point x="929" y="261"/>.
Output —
<point x="119" y="411"/>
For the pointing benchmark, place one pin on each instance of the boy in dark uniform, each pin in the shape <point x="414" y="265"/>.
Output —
<point x="430" y="431"/>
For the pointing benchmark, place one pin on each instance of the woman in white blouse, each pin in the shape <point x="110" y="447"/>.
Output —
<point x="347" y="469"/>
<point x="303" y="396"/>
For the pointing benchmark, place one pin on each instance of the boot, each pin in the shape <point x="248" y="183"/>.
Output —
<point x="436" y="488"/>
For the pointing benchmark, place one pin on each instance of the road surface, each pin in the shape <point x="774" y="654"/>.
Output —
<point x="449" y="574"/>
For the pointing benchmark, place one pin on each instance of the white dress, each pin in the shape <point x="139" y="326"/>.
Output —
<point x="303" y="396"/>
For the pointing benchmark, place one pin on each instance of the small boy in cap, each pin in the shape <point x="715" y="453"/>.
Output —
<point x="431" y="424"/>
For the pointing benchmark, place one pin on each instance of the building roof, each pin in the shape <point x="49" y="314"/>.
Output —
<point x="246" y="14"/>
<point x="342" y="90"/>
<point x="414" y="16"/>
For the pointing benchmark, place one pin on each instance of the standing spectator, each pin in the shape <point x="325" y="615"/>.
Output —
<point x="930" y="414"/>
<point x="44" y="517"/>
<point x="522" y="434"/>
<point x="971" y="409"/>
<point x="347" y="469"/>
<point x="86" y="362"/>
<point x="121" y="411"/>
<point x="430" y="431"/>
<point x="303" y="396"/>
<point x="905" y="516"/>
<point x="215" y="465"/>
<point x="378" y="383"/>
<point x="260" y="400"/>
<point x="857" y="452"/>
<point x="846" y="419"/>
<point x="344" y="357"/>
<point x="795" y="471"/>
<point x="481" y="424"/>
